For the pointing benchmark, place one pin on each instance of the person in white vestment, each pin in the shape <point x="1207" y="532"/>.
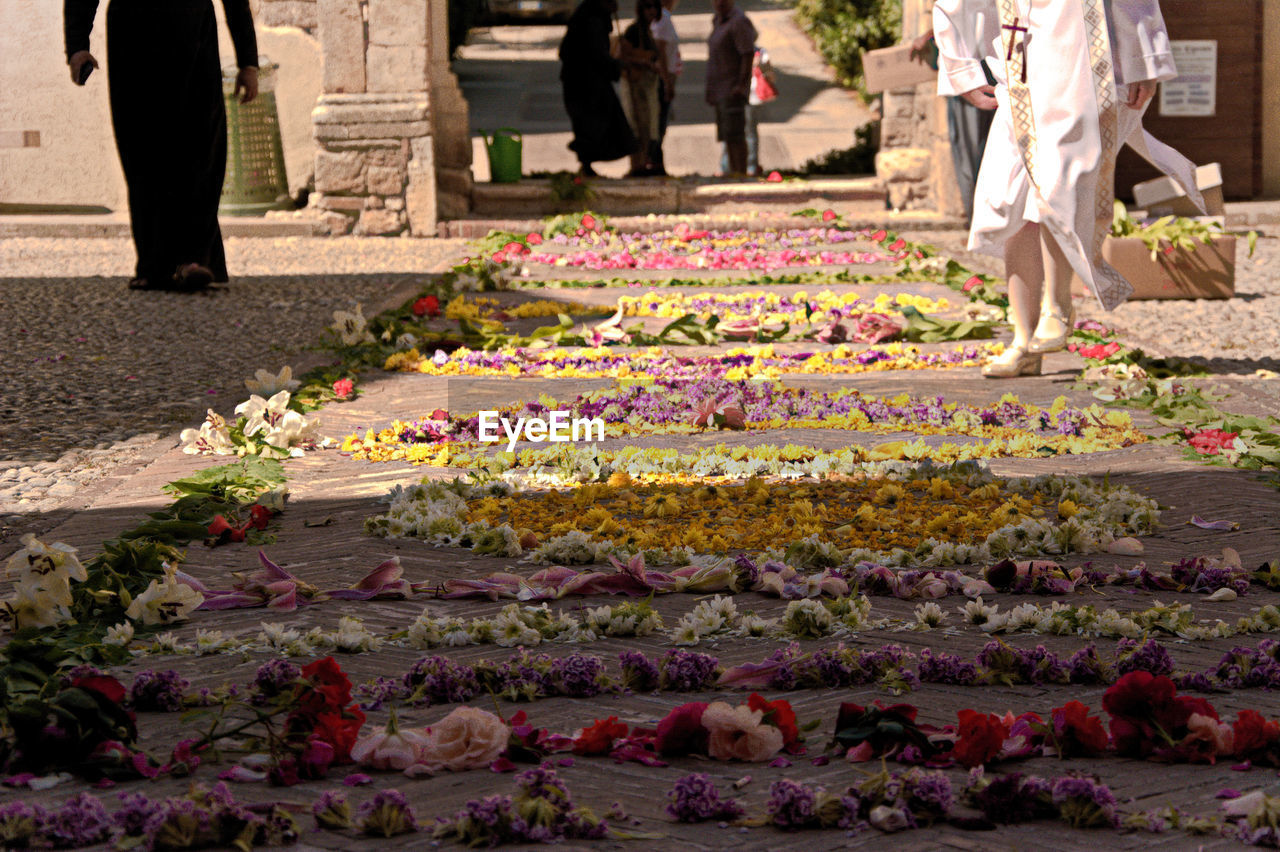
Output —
<point x="1073" y="79"/>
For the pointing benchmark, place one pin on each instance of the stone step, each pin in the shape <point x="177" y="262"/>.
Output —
<point x="532" y="197"/>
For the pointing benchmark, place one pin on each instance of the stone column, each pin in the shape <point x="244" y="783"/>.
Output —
<point x="451" y="123"/>
<point x="915" y="151"/>
<point x="373" y="124"/>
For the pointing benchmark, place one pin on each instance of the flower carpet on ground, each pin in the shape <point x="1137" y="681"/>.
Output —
<point x="953" y="605"/>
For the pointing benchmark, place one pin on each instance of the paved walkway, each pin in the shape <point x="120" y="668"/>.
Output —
<point x="283" y="292"/>
<point x="510" y="77"/>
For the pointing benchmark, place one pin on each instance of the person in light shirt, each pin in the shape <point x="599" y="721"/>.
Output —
<point x="664" y="33"/>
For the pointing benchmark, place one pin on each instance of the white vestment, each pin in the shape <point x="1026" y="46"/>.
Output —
<point x="1066" y="63"/>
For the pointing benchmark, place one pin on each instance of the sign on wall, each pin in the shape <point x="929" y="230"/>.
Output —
<point x="1194" y="91"/>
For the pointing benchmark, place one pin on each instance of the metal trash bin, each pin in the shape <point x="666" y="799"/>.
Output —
<point x="256" y="180"/>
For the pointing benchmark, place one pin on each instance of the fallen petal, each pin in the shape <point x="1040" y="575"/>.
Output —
<point x="1200" y="522"/>
<point x="1127" y="546"/>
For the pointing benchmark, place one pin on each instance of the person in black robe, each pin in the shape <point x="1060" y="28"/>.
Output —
<point x="165" y="81"/>
<point x="587" y="72"/>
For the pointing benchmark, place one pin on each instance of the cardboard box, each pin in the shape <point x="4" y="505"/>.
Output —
<point x="899" y="67"/>
<point x="1163" y="196"/>
<point x="1205" y="272"/>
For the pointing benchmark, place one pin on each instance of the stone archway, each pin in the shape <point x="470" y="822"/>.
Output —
<point x="393" y="154"/>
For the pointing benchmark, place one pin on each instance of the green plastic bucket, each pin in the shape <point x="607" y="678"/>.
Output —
<point x="255" y="181"/>
<point x="504" y="149"/>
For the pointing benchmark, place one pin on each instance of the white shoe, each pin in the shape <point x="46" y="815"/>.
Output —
<point x="1052" y="332"/>
<point x="1016" y="361"/>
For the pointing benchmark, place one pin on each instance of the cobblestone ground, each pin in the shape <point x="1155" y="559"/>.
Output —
<point x="95" y="373"/>
<point x="284" y="294"/>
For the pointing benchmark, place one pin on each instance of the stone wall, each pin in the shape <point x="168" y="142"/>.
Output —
<point x="915" y="152"/>
<point x="383" y="125"/>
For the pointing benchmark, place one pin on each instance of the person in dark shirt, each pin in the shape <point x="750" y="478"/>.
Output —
<point x="165" y="82"/>
<point x="587" y="72"/>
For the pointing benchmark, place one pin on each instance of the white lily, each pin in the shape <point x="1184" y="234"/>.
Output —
<point x="351" y="326"/>
<point x="280" y="426"/>
<point x="165" y="602"/>
<point x="38" y="560"/>
<point x="266" y="383"/>
<point x="121" y="634"/>
<point x="213" y="438"/>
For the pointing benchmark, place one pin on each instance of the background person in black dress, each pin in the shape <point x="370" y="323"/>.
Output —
<point x="170" y="124"/>
<point x="587" y="71"/>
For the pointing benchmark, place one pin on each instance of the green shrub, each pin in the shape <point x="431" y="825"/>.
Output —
<point x="842" y="29"/>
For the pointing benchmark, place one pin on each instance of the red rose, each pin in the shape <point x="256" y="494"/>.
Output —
<point x="327" y="678"/>
<point x="439" y="414"/>
<point x="1099" y="351"/>
<point x="1254" y="733"/>
<point x="342" y="388"/>
<point x="681" y="731"/>
<point x="339" y="731"/>
<point x="514" y="248"/>
<point x="1077" y="733"/>
<point x="588" y="221"/>
<point x="1135" y="695"/>
<point x="982" y="735"/>
<point x="774" y="177"/>
<point x="828" y="215"/>
<point x="898" y="244"/>
<point x="259" y="515"/>
<point x="534" y="239"/>
<point x="498" y="257"/>
<point x="1209" y="442"/>
<point x="428" y="306"/>
<point x="598" y="739"/>
<point x="975" y="281"/>
<point x="105" y="685"/>
<point x="780" y="715"/>
<point x="880" y="236"/>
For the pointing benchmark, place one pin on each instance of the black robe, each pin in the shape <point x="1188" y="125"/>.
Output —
<point x="165" y="81"/>
<point x="600" y="128"/>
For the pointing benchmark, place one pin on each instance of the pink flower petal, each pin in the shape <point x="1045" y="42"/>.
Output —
<point x="356" y="779"/>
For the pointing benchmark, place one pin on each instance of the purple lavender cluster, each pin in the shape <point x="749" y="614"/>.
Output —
<point x="161" y="691"/>
<point x="695" y="798"/>
<point x="1012" y="798"/>
<point x="792" y="805"/>
<point x="204" y="818"/>
<point x="1005" y="664"/>
<point x="272" y="679"/>
<point x="1148" y="656"/>
<point x="541" y="811"/>
<point x="439" y="680"/>
<point x="1199" y="574"/>
<point x="687" y="671"/>
<point x="639" y="673"/>
<point x="578" y="675"/>
<point x="1085" y="802"/>
<point x="839" y="666"/>
<point x="1249" y="668"/>
<point x="941" y="667"/>
<point x="669" y="400"/>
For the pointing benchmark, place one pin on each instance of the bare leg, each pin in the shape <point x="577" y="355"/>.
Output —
<point x="1057" y="316"/>
<point x="1024" y="267"/>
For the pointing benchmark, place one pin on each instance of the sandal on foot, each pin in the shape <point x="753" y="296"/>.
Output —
<point x="1052" y="332"/>
<point x="1016" y="361"/>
